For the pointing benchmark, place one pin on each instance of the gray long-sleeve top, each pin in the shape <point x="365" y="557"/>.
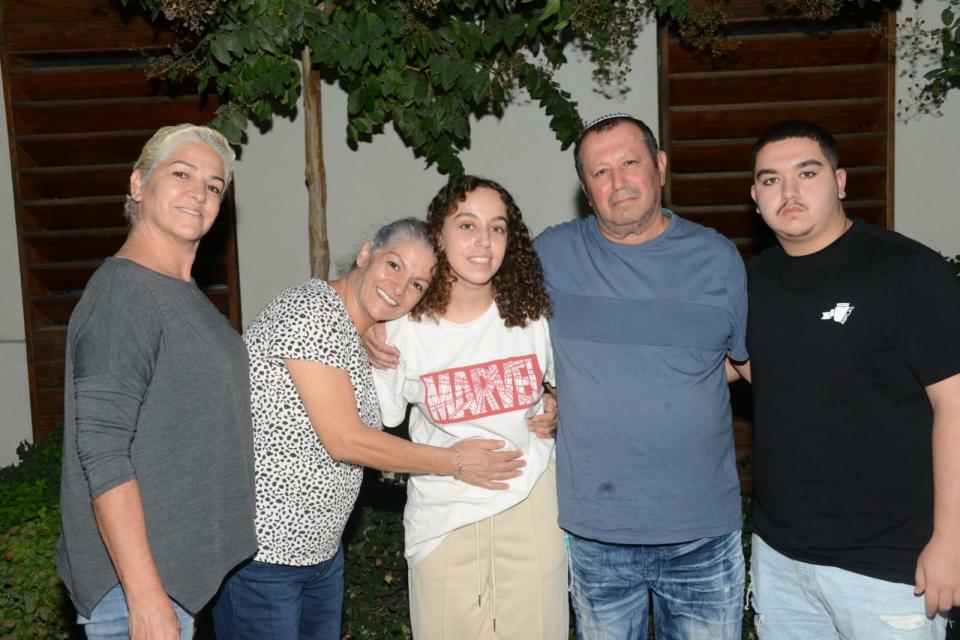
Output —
<point x="156" y="389"/>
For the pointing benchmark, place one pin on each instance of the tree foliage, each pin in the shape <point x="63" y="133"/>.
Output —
<point x="424" y="67"/>
<point x="932" y="60"/>
<point x="421" y="66"/>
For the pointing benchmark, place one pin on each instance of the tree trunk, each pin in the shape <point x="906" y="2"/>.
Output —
<point x="315" y="173"/>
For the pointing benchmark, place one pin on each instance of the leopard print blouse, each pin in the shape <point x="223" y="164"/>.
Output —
<point x="304" y="497"/>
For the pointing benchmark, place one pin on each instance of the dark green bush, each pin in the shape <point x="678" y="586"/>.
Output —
<point x="33" y="604"/>
<point x="31" y="484"/>
<point x="375" y="602"/>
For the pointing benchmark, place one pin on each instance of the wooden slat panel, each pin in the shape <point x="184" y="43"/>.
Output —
<point x="28" y="11"/>
<point x="79" y="110"/>
<point x="108" y="115"/>
<point x="71" y="277"/>
<point x="50" y="396"/>
<point x="733" y="222"/>
<point x="74" y="182"/>
<point x="65" y="246"/>
<point x="779" y="85"/>
<point x="34" y="38"/>
<point x="220" y="297"/>
<point x="210" y="267"/>
<point x="78" y="149"/>
<point x="748" y="247"/>
<point x="86" y="213"/>
<point x="690" y="123"/>
<point x="709" y="189"/>
<point x="98" y="81"/>
<point x="871" y="211"/>
<point x="49" y="373"/>
<point x="744" y="222"/>
<point x="64" y="261"/>
<point x="66" y="277"/>
<point x="48" y="344"/>
<point x="44" y="425"/>
<point x="785" y="50"/>
<point x="696" y="156"/>
<point x="52" y="310"/>
<point x="732" y="188"/>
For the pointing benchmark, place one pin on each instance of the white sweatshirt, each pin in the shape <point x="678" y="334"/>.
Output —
<point x="473" y="380"/>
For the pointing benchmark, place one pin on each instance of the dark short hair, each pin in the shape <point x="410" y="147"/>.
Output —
<point x="607" y="122"/>
<point x="797" y="129"/>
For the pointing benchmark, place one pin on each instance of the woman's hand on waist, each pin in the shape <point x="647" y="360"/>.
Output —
<point x="484" y="463"/>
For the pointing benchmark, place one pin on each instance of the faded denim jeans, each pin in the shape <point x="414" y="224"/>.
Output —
<point x="110" y="619"/>
<point x="797" y="601"/>
<point x="696" y="586"/>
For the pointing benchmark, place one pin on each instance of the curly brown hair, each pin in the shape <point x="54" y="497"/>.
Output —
<point x="518" y="286"/>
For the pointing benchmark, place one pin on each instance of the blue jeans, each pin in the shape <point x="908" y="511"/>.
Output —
<point x="110" y="619"/>
<point x="260" y="600"/>
<point x="697" y="589"/>
<point x="796" y="600"/>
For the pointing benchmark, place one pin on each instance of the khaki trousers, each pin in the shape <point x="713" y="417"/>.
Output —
<point x="508" y="586"/>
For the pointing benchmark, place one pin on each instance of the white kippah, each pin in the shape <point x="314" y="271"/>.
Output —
<point x="609" y="116"/>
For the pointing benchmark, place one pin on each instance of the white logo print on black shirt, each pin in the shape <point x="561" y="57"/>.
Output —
<point x="839" y="313"/>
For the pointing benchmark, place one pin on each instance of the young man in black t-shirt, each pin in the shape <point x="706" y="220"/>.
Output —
<point x="854" y="340"/>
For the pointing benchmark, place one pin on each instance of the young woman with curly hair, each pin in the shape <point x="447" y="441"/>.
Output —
<point x="474" y="355"/>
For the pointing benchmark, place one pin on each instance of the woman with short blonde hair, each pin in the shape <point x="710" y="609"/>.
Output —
<point x="157" y="486"/>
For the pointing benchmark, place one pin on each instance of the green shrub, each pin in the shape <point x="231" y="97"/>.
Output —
<point x="375" y="601"/>
<point x="31" y="484"/>
<point x="33" y="604"/>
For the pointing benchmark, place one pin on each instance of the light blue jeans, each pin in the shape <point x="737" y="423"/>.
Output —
<point x="697" y="589"/>
<point x="110" y="619"/>
<point x="799" y="601"/>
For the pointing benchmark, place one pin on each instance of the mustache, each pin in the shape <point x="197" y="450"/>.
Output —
<point x="622" y="194"/>
<point x="792" y="203"/>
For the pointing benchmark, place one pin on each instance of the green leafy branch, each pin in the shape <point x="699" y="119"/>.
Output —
<point x="424" y="67"/>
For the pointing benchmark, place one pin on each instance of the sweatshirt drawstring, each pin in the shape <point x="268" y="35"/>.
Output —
<point x="476" y="528"/>
<point x="493" y="576"/>
<point x="493" y="571"/>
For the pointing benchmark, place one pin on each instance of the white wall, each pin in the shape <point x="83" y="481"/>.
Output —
<point x="271" y="199"/>
<point x="927" y="170"/>
<point x="14" y="390"/>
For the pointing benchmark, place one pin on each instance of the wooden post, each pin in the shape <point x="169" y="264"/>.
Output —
<point x="315" y="173"/>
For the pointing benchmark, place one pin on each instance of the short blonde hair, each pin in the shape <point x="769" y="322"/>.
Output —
<point x="164" y="142"/>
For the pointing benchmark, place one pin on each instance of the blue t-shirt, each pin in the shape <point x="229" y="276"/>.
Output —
<point x="645" y="450"/>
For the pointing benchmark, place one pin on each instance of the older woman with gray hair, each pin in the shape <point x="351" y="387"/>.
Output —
<point x="157" y="487"/>
<point x="316" y="420"/>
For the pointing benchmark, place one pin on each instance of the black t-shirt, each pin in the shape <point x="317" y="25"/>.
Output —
<point x="842" y="343"/>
